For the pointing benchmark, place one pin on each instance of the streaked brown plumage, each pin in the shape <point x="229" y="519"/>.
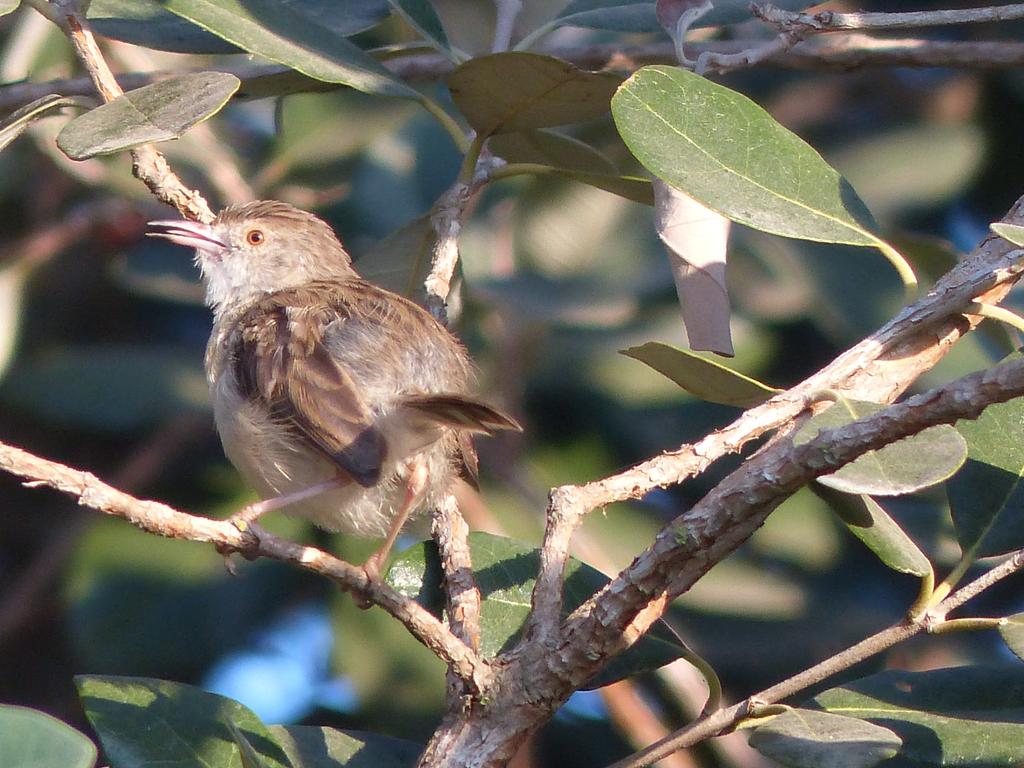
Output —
<point x="318" y="377"/>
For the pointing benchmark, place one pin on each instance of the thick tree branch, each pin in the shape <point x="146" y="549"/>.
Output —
<point x="717" y="722"/>
<point x="165" y="521"/>
<point x="833" y="21"/>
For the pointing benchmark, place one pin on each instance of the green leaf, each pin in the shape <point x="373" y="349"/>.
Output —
<point x="141" y="721"/>
<point x="1012" y="232"/>
<point x="905" y="466"/>
<point x="725" y="151"/>
<point x="505" y="572"/>
<point x="148" y="23"/>
<point x="704" y="378"/>
<point x="543" y="147"/>
<point x="157" y="112"/>
<point x="1013" y="634"/>
<point x="279" y="33"/>
<point x="12" y="126"/>
<point x="514" y="91"/>
<point x="7" y="6"/>
<point x="961" y="716"/>
<point x="986" y="497"/>
<point x="804" y="738"/>
<point x="33" y="739"/>
<point x="401" y="261"/>
<point x="870" y="523"/>
<point x="632" y="188"/>
<point x="314" y="747"/>
<point x="110" y="387"/>
<point x="247" y="753"/>
<point x="422" y="17"/>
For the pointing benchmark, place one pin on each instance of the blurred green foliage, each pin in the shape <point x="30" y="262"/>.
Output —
<point x="102" y="335"/>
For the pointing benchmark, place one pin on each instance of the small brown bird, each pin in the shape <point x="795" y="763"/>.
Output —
<point x="336" y="398"/>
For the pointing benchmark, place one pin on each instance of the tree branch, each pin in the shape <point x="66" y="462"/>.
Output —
<point x="833" y="21"/>
<point x="723" y="719"/>
<point x="148" y="165"/>
<point x="165" y="521"/>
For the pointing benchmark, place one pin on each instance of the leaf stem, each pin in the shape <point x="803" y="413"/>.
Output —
<point x="447" y="122"/>
<point x="994" y="312"/>
<point x="903" y="269"/>
<point x="966" y="625"/>
<point x="468" y="169"/>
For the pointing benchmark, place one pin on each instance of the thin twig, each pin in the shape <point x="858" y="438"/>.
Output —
<point x="723" y="719"/>
<point x="834" y="21"/>
<point x="163" y="520"/>
<point x="148" y="165"/>
<point x="463" y="598"/>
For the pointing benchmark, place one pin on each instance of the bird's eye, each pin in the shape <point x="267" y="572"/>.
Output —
<point x="255" y="237"/>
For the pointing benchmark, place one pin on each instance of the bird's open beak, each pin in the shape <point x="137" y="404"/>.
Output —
<point x="191" y="234"/>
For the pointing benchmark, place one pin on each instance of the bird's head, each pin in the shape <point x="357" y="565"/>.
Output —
<point x="256" y="248"/>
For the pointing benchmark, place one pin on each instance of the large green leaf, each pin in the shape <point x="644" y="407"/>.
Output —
<point x="726" y="152"/>
<point x="146" y="722"/>
<point x="309" y="746"/>
<point x="905" y="466"/>
<point x="505" y="573"/>
<point x="514" y="91"/>
<point x="281" y="33"/>
<point x="805" y="738"/>
<point x="12" y="126"/>
<point x="962" y="716"/>
<point x="401" y="261"/>
<point x="704" y="378"/>
<point x="33" y="739"/>
<point x="870" y="523"/>
<point x="157" y="112"/>
<point x="147" y="23"/>
<point x="986" y="497"/>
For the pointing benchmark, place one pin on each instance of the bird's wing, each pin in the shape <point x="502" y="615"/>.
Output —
<point x="282" y="360"/>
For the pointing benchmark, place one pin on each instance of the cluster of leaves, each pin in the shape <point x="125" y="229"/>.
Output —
<point x="699" y="139"/>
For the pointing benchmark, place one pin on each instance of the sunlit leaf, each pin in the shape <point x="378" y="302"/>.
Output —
<point x="7" y="6"/>
<point x="141" y="721"/>
<point x="870" y="523"/>
<point x="247" y="753"/>
<point x="310" y="746"/>
<point x="707" y="379"/>
<point x="12" y="126"/>
<point x="157" y="112"/>
<point x="695" y="240"/>
<point x="505" y="573"/>
<point x="514" y="91"/>
<point x="905" y="466"/>
<point x="986" y="497"/>
<point x="1012" y="232"/>
<point x="278" y="32"/>
<point x="726" y="152"/>
<point x="962" y="716"/>
<point x="805" y="738"/>
<point x="33" y="739"/>
<point x="1013" y="634"/>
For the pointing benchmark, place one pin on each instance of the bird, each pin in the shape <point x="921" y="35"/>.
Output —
<point x="338" y="400"/>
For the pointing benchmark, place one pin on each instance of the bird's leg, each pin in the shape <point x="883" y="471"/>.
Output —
<point x="253" y="512"/>
<point x="413" y="489"/>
